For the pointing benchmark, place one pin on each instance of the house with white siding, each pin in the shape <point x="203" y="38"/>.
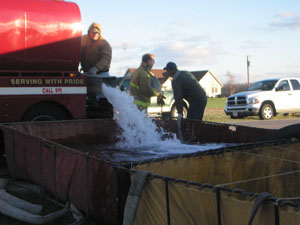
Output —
<point x="210" y="83"/>
<point x="207" y="80"/>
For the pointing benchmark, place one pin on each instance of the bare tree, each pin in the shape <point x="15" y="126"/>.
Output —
<point x="230" y="87"/>
<point x="231" y="82"/>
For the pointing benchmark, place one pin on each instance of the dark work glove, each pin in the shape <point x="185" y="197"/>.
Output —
<point x="160" y="100"/>
<point x="93" y="71"/>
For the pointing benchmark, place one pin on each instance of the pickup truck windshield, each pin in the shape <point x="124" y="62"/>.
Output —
<point x="266" y="85"/>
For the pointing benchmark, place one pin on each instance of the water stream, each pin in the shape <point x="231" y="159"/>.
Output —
<point x="140" y="133"/>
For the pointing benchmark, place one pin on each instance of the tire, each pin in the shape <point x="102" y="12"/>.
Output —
<point x="266" y="112"/>
<point x="45" y="112"/>
<point x="174" y="112"/>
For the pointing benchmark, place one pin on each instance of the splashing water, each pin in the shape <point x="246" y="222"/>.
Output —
<point x="140" y="133"/>
<point x="138" y="129"/>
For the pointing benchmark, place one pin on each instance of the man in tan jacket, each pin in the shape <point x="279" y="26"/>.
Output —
<point x="96" y="52"/>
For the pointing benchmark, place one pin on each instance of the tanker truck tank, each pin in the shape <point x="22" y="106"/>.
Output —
<point x="42" y="38"/>
<point x="39" y="35"/>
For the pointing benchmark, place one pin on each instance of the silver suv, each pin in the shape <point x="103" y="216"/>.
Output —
<point x="154" y="109"/>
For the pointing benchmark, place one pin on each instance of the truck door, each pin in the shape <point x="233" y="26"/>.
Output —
<point x="283" y="97"/>
<point x="295" y="94"/>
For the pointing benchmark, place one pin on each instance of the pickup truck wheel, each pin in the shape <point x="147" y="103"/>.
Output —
<point x="266" y="112"/>
<point x="45" y="112"/>
<point x="174" y="112"/>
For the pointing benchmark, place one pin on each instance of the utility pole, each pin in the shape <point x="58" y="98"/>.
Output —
<point x="124" y="66"/>
<point x="248" y="65"/>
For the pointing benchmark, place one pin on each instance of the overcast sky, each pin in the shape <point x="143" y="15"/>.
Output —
<point x="215" y="35"/>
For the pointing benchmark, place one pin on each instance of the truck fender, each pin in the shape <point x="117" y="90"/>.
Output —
<point x="268" y="102"/>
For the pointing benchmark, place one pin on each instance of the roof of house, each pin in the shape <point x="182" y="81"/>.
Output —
<point x="158" y="73"/>
<point x="199" y="74"/>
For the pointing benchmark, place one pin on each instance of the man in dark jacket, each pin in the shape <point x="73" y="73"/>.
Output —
<point x="186" y="86"/>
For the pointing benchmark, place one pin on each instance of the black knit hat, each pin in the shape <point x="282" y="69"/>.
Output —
<point x="170" y="66"/>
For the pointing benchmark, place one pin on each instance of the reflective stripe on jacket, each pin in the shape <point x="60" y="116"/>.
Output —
<point x="140" y="86"/>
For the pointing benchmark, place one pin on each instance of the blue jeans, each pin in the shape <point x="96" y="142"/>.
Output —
<point x="196" y="108"/>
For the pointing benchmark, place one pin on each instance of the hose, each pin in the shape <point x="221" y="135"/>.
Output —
<point x="22" y="215"/>
<point x="261" y="198"/>
<point x="179" y="131"/>
<point x="133" y="198"/>
<point x="77" y="215"/>
<point x="19" y="203"/>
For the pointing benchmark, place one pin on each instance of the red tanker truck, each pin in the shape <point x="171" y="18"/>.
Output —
<point x="40" y="44"/>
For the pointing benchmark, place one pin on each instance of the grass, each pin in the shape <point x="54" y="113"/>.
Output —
<point x="214" y="112"/>
<point x="216" y="103"/>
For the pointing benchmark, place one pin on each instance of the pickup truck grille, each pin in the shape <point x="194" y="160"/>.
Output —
<point x="238" y="101"/>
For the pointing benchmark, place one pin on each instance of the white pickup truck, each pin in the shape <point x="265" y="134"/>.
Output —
<point x="266" y="98"/>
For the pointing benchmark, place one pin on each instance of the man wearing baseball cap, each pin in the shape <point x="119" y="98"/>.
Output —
<point x="186" y="86"/>
<point x="96" y="52"/>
